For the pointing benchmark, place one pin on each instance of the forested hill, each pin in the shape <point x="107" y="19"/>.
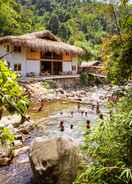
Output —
<point x="79" y="22"/>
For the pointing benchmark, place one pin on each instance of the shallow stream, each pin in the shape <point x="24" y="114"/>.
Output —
<point x="19" y="171"/>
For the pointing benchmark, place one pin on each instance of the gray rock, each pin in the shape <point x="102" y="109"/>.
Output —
<point x="54" y="161"/>
<point x="6" y="154"/>
<point x="18" y="144"/>
<point x="26" y="127"/>
<point x="60" y="90"/>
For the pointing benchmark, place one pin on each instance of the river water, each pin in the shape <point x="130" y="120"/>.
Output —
<point x="19" y="171"/>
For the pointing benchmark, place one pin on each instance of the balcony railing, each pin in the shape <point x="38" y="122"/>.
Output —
<point x="51" y="60"/>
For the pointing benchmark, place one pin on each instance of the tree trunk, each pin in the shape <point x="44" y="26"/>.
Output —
<point x="1" y="112"/>
<point x="130" y="152"/>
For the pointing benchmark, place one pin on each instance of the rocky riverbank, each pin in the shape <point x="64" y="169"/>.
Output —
<point x="59" y="107"/>
<point x="19" y="131"/>
<point x="41" y="91"/>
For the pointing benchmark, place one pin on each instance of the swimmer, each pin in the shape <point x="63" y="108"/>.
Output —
<point x="101" y="116"/>
<point x="82" y="112"/>
<point x="93" y="107"/>
<point x="86" y="113"/>
<point x="41" y="105"/>
<point x="72" y="113"/>
<point x="97" y="108"/>
<point x="71" y="126"/>
<point x="61" y="126"/>
<point x="78" y="106"/>
<point x="88" y="126"/>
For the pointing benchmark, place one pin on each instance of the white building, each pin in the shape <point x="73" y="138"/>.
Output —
<point x="39" y="53"/>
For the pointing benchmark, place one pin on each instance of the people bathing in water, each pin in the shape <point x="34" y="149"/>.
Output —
<point x="61" y="126"/>
<point x="88" y="124"/>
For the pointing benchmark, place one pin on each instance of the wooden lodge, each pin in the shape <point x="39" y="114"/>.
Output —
<point x="39" y="53"/>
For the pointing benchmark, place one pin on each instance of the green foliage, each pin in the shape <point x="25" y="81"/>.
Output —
<point x="84" y="78"/>
<point x="50" y="84"/>
<point x="53" y="24"/>
<point x="109" y="146"/>
<point x="11" y="94"/>
<point x="116" y="54"/>
<point x="82" y="23"/>
<point x="14" y="19"/>
<point x="46" y="85"/>
<point x="6" y="136"/>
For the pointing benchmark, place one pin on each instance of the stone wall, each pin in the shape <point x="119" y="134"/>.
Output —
<point x="67" y="82"/>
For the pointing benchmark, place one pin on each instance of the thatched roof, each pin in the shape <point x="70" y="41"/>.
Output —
<point x="44" y="41"/>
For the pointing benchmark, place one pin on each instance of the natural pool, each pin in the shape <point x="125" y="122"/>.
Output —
<point x="47" y="124"/>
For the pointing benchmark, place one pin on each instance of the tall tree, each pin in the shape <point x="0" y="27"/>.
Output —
<point x="54" y="24"/>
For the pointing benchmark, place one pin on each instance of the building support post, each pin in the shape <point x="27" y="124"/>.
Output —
<point x="52" y="68"/>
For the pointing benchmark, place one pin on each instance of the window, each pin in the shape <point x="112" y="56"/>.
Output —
<point x="17" y="67"/>
<point x="17" y="49"/>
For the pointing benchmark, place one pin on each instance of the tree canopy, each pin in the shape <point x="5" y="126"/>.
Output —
<point x="82" y="23"/>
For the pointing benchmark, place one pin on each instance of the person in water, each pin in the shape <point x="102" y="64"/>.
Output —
<point x="78" y="106"/>
<point x="41" y="105"/>
<point x="61" y="126"/>
<point x="86" y="113"/>
<point x="82" y="112"/>
<point x="72" y="113"/>
<point x="101" y="116"/>
<point x="92" y="107"/>
<point x="88" y="124"/>
<point x="97" y="108"/>
<point x="71" y="126"/>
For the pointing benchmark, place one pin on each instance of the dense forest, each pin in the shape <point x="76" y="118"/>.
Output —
<point x="82" y="23"/>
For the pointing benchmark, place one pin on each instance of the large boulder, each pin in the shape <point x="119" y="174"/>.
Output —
<point x="55" y="160"/>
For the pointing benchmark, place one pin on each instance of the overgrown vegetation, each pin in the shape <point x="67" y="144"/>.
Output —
<point x="12" y="99"/>
<point x="6" y="137"/>
<point x="11" y="94"/>
<point x="109" y="144"/>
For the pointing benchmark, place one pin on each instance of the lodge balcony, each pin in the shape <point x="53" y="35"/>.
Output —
<point x="51" y="64"/>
